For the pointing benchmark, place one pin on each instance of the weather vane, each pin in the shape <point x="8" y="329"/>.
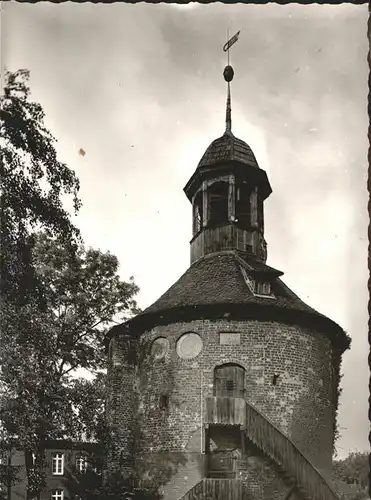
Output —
<point x="228" y="74"/>
<point x="231" y="42"/>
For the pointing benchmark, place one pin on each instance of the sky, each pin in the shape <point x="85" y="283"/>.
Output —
<point x="139" y="88"/>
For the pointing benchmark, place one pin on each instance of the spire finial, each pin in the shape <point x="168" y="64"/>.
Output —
<point x="228" y="77"/>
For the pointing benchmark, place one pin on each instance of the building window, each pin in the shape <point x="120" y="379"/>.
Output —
<point x="57" y="494"/>
<point x="58" y="464"/>
<point x="230" y="385"/>
<point x="260" y="214"/>
<point x="164" y="401"/>
<point x="243" y="206"/>
<point x="257" y="287"/>
<point x="218" y="203"/>
<point x="160" y="347"/>
<point x="81" y="464"/>
<point x="263" y="288"/>
<point x="189" y="346"/>
<point x="198" y="213"/>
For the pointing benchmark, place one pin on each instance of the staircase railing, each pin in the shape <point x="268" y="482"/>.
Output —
<point x="195" y="493"/>
<point x="216" y="489"/>
<point x="271" y="441"/>
<point x="225" y="411"/>
<point x="284" y="452"/>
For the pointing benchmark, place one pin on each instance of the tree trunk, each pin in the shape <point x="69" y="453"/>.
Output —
<point x="29" y="465"/>
<point x="9" y="476"/>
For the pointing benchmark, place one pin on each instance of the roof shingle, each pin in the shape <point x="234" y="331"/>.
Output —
<point x="228" y="148"/>
<point x="215" y="287"/>
<point x="217" y="278"/>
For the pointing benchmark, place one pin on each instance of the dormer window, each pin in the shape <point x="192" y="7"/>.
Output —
<point x="259" y="287"/>
<point x="263" y="288"/>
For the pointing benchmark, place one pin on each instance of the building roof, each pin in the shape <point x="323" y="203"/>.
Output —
<point x="214" y="286"/>
<point x="58" y="444"/>
<point x="228" y="148"/>
<point x="217" y="278"/>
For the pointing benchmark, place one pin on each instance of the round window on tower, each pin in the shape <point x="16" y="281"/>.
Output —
<point x="189" y="346"/>
<point x="160" y="347"/>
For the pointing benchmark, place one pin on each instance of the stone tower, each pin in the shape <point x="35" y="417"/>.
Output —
<point x="227" y="386"/>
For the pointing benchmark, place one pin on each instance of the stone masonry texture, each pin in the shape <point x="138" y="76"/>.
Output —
<point x="156" y="408"/>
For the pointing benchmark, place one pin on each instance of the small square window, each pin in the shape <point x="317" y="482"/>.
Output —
<point x="57" y="494"/>
<point x="58" y="464"/>
<point x="164" y="401"/>
<point x="229" y="385"/>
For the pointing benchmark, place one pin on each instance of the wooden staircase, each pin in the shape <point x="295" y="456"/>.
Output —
<point x="216" y="489"/>
<point x="294" y="467"/>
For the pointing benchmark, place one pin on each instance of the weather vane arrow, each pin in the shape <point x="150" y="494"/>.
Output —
<point x="231" y="41"/>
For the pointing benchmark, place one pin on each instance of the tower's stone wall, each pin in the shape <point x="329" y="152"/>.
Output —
<point x="122" y="404"/>
<point x="301" y="403"/>
<point x="262" y="480"/>
<point x="170" y="443"/>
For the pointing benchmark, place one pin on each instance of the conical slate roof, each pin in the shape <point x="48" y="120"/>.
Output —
<point x="216" y="282"/>
<point x="228" y="148"/>
<point x="217" y="278"/>
<point x="215" y="286"/>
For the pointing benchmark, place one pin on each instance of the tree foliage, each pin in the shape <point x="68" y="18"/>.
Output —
<point x="83" y="293"/>
<point x="351" y="476"/>
<point x="33" y="183"/>
<point x="90" y="486"/>
<point x="57" y="298"/>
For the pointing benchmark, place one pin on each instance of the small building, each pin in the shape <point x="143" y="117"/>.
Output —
<point x="69" y="466"/>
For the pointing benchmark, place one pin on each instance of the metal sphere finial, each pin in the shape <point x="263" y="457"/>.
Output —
<point x="228" y="73"/>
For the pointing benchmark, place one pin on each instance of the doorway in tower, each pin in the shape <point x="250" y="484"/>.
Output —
<point x="223" y="451"/>
<point x="229" y="381"/>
